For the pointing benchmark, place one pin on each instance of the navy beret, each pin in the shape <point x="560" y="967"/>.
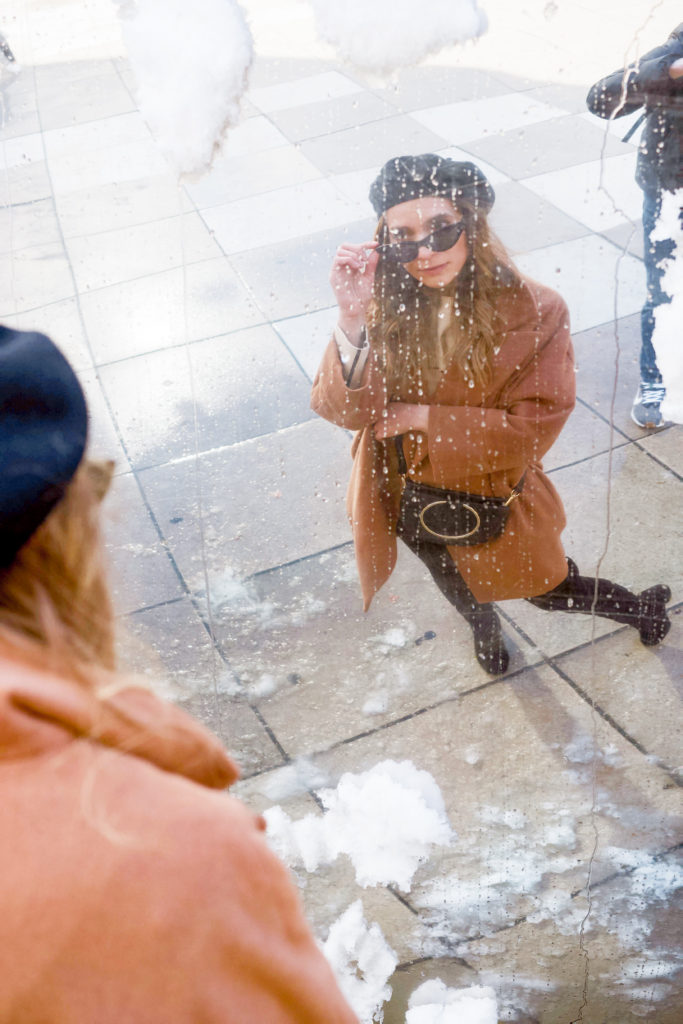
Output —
<point x="411" y="177"/>
<point x="43" y="432"/>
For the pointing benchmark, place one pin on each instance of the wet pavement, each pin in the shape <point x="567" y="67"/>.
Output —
<point x="196" y="316"/>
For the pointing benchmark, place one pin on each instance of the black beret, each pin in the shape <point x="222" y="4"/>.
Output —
<point x="43" y="431"/>
<point x="412" y="177"/>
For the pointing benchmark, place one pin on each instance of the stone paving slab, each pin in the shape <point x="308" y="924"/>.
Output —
<point x="263" y="520"/>
<point x="547" y="146"/>
<point x="250" y="506"/>
<point x="637" y="686"/>
<point x="159" y="311"/>
<point x="635" y="555"/>
<point x="588" y="272"/>
<point x="120" y="204"/>
<point x="509" y="897"/>
<point x="141" y="573"/>
<point x="290" y="278"/>
<point x="337" y="672"/>
<point x="213" y="393"/>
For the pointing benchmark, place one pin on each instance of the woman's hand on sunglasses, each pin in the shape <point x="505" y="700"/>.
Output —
<point x="352" y="279"/>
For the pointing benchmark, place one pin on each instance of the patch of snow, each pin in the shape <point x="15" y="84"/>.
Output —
<point x="385" y="35"/>
<point x="376" y="704"/>
<point x="190" y="62"/>
<point x="666" y="338"/>
<point x="362" y="961"/>
<point x="264" y="686"/>
<point x="393" y="638"/>
<point x="434" y="1003"/>
<point x="301" y="776"/>
<point x="386" y="820"/>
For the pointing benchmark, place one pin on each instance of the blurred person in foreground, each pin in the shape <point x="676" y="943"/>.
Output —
<point x="133" y="889"/>
<point x="655" y="82"/>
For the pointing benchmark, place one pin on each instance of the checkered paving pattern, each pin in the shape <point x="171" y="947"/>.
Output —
<point x="196" y="315"/>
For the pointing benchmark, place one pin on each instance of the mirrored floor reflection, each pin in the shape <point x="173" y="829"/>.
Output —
<point x="196" y="316"/>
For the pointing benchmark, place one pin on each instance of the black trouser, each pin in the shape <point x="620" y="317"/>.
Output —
<point x="575" y="594"/>
<point x="447" y="578"/>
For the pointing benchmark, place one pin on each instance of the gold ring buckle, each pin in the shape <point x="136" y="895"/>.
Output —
<point x="447" y="536"/>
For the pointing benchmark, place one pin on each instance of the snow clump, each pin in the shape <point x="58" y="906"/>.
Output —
<point x="190" y="63"/>
<point x="386" y="34"/>
<point x="386" y="820"/>
<point x="434" y="1003"/>
<point x="362" y="961"/>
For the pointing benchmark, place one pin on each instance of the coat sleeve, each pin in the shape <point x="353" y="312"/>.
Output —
<point x="533" y="409"/>
<point x="626" y="90"/>
<point x="353" y="408"/>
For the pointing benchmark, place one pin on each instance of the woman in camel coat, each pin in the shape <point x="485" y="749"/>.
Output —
<point x="134" y="890"/>
<point x="441" y="342"/>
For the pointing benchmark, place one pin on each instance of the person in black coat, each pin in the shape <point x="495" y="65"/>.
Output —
<point x="655" y="82"/>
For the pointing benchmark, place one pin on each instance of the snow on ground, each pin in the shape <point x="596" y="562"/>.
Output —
<point x="301" y="776"/>
<point x="434" y="1003"/>
<point x="465" y="905"/>
<point x="386" y="34"/>
<point x="190" y="62"/>
<point x="666" y="338"/>
<point x="362" y="962"/>
<point x="386" y="820"/>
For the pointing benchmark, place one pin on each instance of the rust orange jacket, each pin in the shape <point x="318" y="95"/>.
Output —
<point x="133" y="890"/>
<point x="480" y="439"/>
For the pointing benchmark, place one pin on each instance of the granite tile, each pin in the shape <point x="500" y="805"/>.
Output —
<point x="601" y="194"/>
<point x="322" y="117"/>
<point x="622" y="512"/>
<point x="293" y="278"/>
<point x="666" y="447"/>
<point x="103" y="152"/>
<point x="66" y="97"/>
<point x="252" y="506"/>
<point x="307" y="337"/>
<point x="120" y="204"/>
<point x="419" y="87"/>
<point x="594" y="277"/>
<point x="238" y="177"/>
<point x="607" y="370"/>
<point x="525" y="223"/>
<point x="546" y="146"/>
<point x="639" y="687"/>
<point x="283" y="95"/>
<point x="279" y="216"/>
<point x="141" y="572"/>
<point x="467" y="120"/>
<point x="334" y="672"/>
<point x="172" y="403"/>
<point x="371" y="145"/>
<point x="124" y="254"/>
<point x="28" y="224"/>
<point x="160" y="311"/>
<point x="33" y="277"/>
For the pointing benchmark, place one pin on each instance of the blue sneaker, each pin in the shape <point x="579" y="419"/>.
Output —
<point x="646" y="411"/>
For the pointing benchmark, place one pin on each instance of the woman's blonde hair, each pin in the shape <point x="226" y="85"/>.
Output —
<point x="54" y="594"/>
<point x="403" y="320"/>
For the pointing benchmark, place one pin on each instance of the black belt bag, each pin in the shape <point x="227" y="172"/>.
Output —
<point x="455" y="518"/>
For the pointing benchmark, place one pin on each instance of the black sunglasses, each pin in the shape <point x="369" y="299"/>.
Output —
<point x="438" y="241"/>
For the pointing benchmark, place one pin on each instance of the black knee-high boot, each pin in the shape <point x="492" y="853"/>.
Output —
<point x="646" y="611"/>
<point x="483" y="620"/>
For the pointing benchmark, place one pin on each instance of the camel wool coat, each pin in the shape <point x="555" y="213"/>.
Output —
<point x="480" y="439"/>
<point x="133" y="890"/>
